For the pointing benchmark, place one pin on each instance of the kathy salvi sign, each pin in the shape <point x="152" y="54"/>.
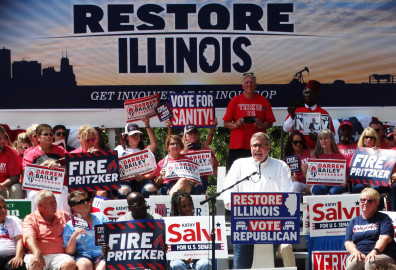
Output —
<point x="265" y="218"/>
<point x="93" y="171"/>
<point x="114" y="209"/>
<point x="187" y="168"/>
<point x="39" y="177"/>
<point x="136" y="244"/>
<point x="330" y="215"/>
<point x="197" y="109"/>
<point x="372" y="167"/>
<point x="202" y="159"/>
<point x="137" y="163"/>
<point x="191" y="237"/>
<point x="161" y="205"/>
<point x="136" y="109"/>
<point x="326" y="171"/>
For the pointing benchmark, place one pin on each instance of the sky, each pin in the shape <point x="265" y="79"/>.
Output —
<point x="336" y="40"/>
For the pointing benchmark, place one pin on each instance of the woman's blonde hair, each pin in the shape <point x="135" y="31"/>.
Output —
<point x="369" y="132"/>
<point x="84" y="130"/>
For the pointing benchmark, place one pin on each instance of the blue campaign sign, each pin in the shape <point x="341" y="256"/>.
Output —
<point x="265" y="218"/>
<point x="372" y="167"/>
<point x="135" y="244"/>
<point x="93" y="171"/>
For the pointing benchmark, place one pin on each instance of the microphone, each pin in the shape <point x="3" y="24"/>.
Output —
<point x="259" y="169"/>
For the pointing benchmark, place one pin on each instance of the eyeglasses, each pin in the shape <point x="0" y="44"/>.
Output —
<point x="90" y="140"/>
<point x="362" y="200"/>
<point x="258" y="145"/>
<point x="174" y="144"/>
<point x="47" y="134"/>
<point x="378" y="130"/>
<point x="83" y="201"/>
<point x="297" y="142"/>
<point x="369" y="137"/>
<point x="60" y="134"/>
<point x="24" y="147"/>
<point x="137" y="205"/>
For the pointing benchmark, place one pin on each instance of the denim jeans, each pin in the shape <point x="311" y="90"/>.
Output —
<point x="243" y="256"/>
<point x="324" y="190"/>
<point x="201" y="264"/>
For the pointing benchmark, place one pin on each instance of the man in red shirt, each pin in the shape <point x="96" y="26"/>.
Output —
<point x="246" y="114"/>
<point x="10" y="169"/>
<point x="311" y="95"/>
<point x="42" y="235"/>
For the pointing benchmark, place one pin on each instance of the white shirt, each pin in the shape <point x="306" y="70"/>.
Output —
<point x="275" y="177"/>
<point x="288" y="125"/>
<point x="11" y="227"/>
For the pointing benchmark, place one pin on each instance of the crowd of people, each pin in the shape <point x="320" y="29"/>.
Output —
<point x="248" y="116"/>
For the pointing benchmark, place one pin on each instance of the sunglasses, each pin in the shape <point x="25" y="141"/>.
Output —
<point x="366" y="200"/>
<point x="247" y="74"/>
<point x="391" y="138"/>
<point x="378" y="130"/>
<point x="369" y="137"/>
<point x="34" y="136"/>
<point x="297" y="142"/>
<point x="83" y="201"/>
<point x="60" y="134"/>
<point x="24" y="147"/>
<point x="47" y="134"/>
<point x="90" y="140"/>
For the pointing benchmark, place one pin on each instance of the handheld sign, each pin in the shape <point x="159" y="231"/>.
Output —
<point x="164" y="112"/>
<point x="293" y="162"/>
<point x="99" y="235"/>
<point x="190" y="237"/>
<point x="265" y="218"/>
<point x="202" y="159"/>
<point x="176" y="169"/>
<point x="80" y="223"/>
<point x="136" y="163"/>
<point x="114" y="209"/>
<point x="330" y="215"/>
<point x="373" y="167"/>
<point x="39" y="177"/>
<point x="192" y="108"/>
<point x="329" y="172"/>
<point x="311" y="122"/>
<point x="93" y="171"/>
<point x="136" y="109"/>
<point x="135" y="244"/>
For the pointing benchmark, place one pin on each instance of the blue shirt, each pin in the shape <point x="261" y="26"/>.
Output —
<point x="365" y="233"/>
<point x="85" y="245"/>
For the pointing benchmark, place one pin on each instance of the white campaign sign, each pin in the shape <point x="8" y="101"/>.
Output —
<point x="161" y="205"/>
<point x="40" y="177"/>
<point x="190" y="237"/>
<point x="330" y="215"/>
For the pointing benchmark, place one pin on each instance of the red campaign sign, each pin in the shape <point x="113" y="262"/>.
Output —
<point x="136" y="109"/>
<point x="329" y="260"/>
<point x="372" y="167"/>
<point x="192" y="108"/>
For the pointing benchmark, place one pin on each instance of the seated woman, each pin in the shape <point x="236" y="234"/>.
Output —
<point x="326" y="148"/>
<point x="296" y="145"/>
<point x="174" y="146"/>
<point x="22" y="143"/>
<point x="11" y="244"/>
<point x="80" y="242"/>
<point x="369" y="237"/>
<point x="133" y="143"/>
<point x="182" y="205"/>
<point x="192" y="142"/>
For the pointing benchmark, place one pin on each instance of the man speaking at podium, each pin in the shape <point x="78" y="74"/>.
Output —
<point x="270" y="175"/>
